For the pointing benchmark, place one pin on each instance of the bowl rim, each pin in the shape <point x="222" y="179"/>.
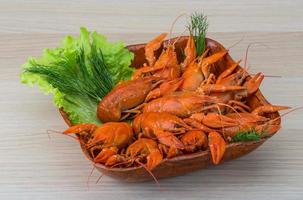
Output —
<point x="183" y="157"/>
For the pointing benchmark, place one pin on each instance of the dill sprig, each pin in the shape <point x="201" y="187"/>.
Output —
<point x="197" y="27"/>
<point x="248" y="135"/>
<point x="89" y="76"/>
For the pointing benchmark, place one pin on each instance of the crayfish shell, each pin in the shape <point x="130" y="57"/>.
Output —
<point x="189" y="162"/>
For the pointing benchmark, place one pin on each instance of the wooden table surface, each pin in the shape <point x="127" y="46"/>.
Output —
<point x="32" y="166"/>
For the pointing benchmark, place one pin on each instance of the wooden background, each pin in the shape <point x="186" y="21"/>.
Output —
<point x="32" y="166"/>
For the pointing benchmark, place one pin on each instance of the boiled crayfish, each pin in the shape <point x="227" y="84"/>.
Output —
<point x="125" y="96"/>
<point x="173" y="107"/>
<point x="109" y="138"/>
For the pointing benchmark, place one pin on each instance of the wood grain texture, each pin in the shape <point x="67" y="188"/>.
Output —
<point x="32" y="166"/>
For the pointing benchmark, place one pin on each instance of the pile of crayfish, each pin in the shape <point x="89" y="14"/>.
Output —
<point x="171" y="108"/>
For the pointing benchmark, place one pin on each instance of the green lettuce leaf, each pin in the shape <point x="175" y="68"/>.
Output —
<point x="79" y="73"/>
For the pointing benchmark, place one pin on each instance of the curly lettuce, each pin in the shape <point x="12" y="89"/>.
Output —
<point x="79" y="73"/>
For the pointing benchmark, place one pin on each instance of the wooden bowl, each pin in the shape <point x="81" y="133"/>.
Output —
<point x="188" y="162"/>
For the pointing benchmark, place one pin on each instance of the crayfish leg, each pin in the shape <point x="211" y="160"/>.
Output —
<point x="165" y="88"/>
<point x="198" y="125"/>
<point x="206" y="63"/>
<point x="214" y="120"/>
<point x="227" y="72"/>
<point x="245" y="107"/>
<point x="153" y="94"/>
<point x="215" y="88"/>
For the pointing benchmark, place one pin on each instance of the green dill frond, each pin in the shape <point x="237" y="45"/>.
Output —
<point x="88" y="77"/>
<point x="100" y="71"/>
<point x="249" y="135"/>
<point x="197" y="27"/>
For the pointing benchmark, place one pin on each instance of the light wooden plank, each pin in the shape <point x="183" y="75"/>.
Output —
<point x="32" y="166"/>
<point x="131" y="16"/>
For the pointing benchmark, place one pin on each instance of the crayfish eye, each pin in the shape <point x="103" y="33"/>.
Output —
<point x="95" y="151"/>
<point x="154" y="81"/>
<point x="178" y="126"/>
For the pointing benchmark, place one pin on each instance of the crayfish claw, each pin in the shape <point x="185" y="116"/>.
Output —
<point x="172" y="152"/>
<point x="115" y="160"/>
<point x="227" y="72"/>
<point x="154" y="159"/>
<point x="254" y="83"/>
<point x="168" y="139"/>
<point x="89" y="128"/>
<point x="268" y="109"/>
<point x="268" y="129"/>
<point x="190" y="53"/>
<point x="105" y="154"/>
<point x="153" y="46"/>
<point x="194" y="140"/>
<point x="217" y="146"/>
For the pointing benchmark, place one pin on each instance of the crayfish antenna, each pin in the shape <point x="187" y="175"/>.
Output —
<point x="121" y="163"/>
<point x="48" y="132"/>
<point x="277" y="118"/>
<point x="246" y="68"/>
<point x="271" y="76"/>
<point x="223" y="104"/>
<point x="89" y="175"/>
<point x="288" y="112"/>
<point x="125" y="116"/>
<point x="236" y="43"/>
<point x="173" y="24"/>
<point x="229" y="106"/>
<point x="149" y="171"/>
<point x="246" y="56"/>
<point x="178" y="38"/>
<point x="220" y="114"/>
<point x="99" y="178"/>
<point x="246" y="53"/>
<point x="136" y="110"/>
